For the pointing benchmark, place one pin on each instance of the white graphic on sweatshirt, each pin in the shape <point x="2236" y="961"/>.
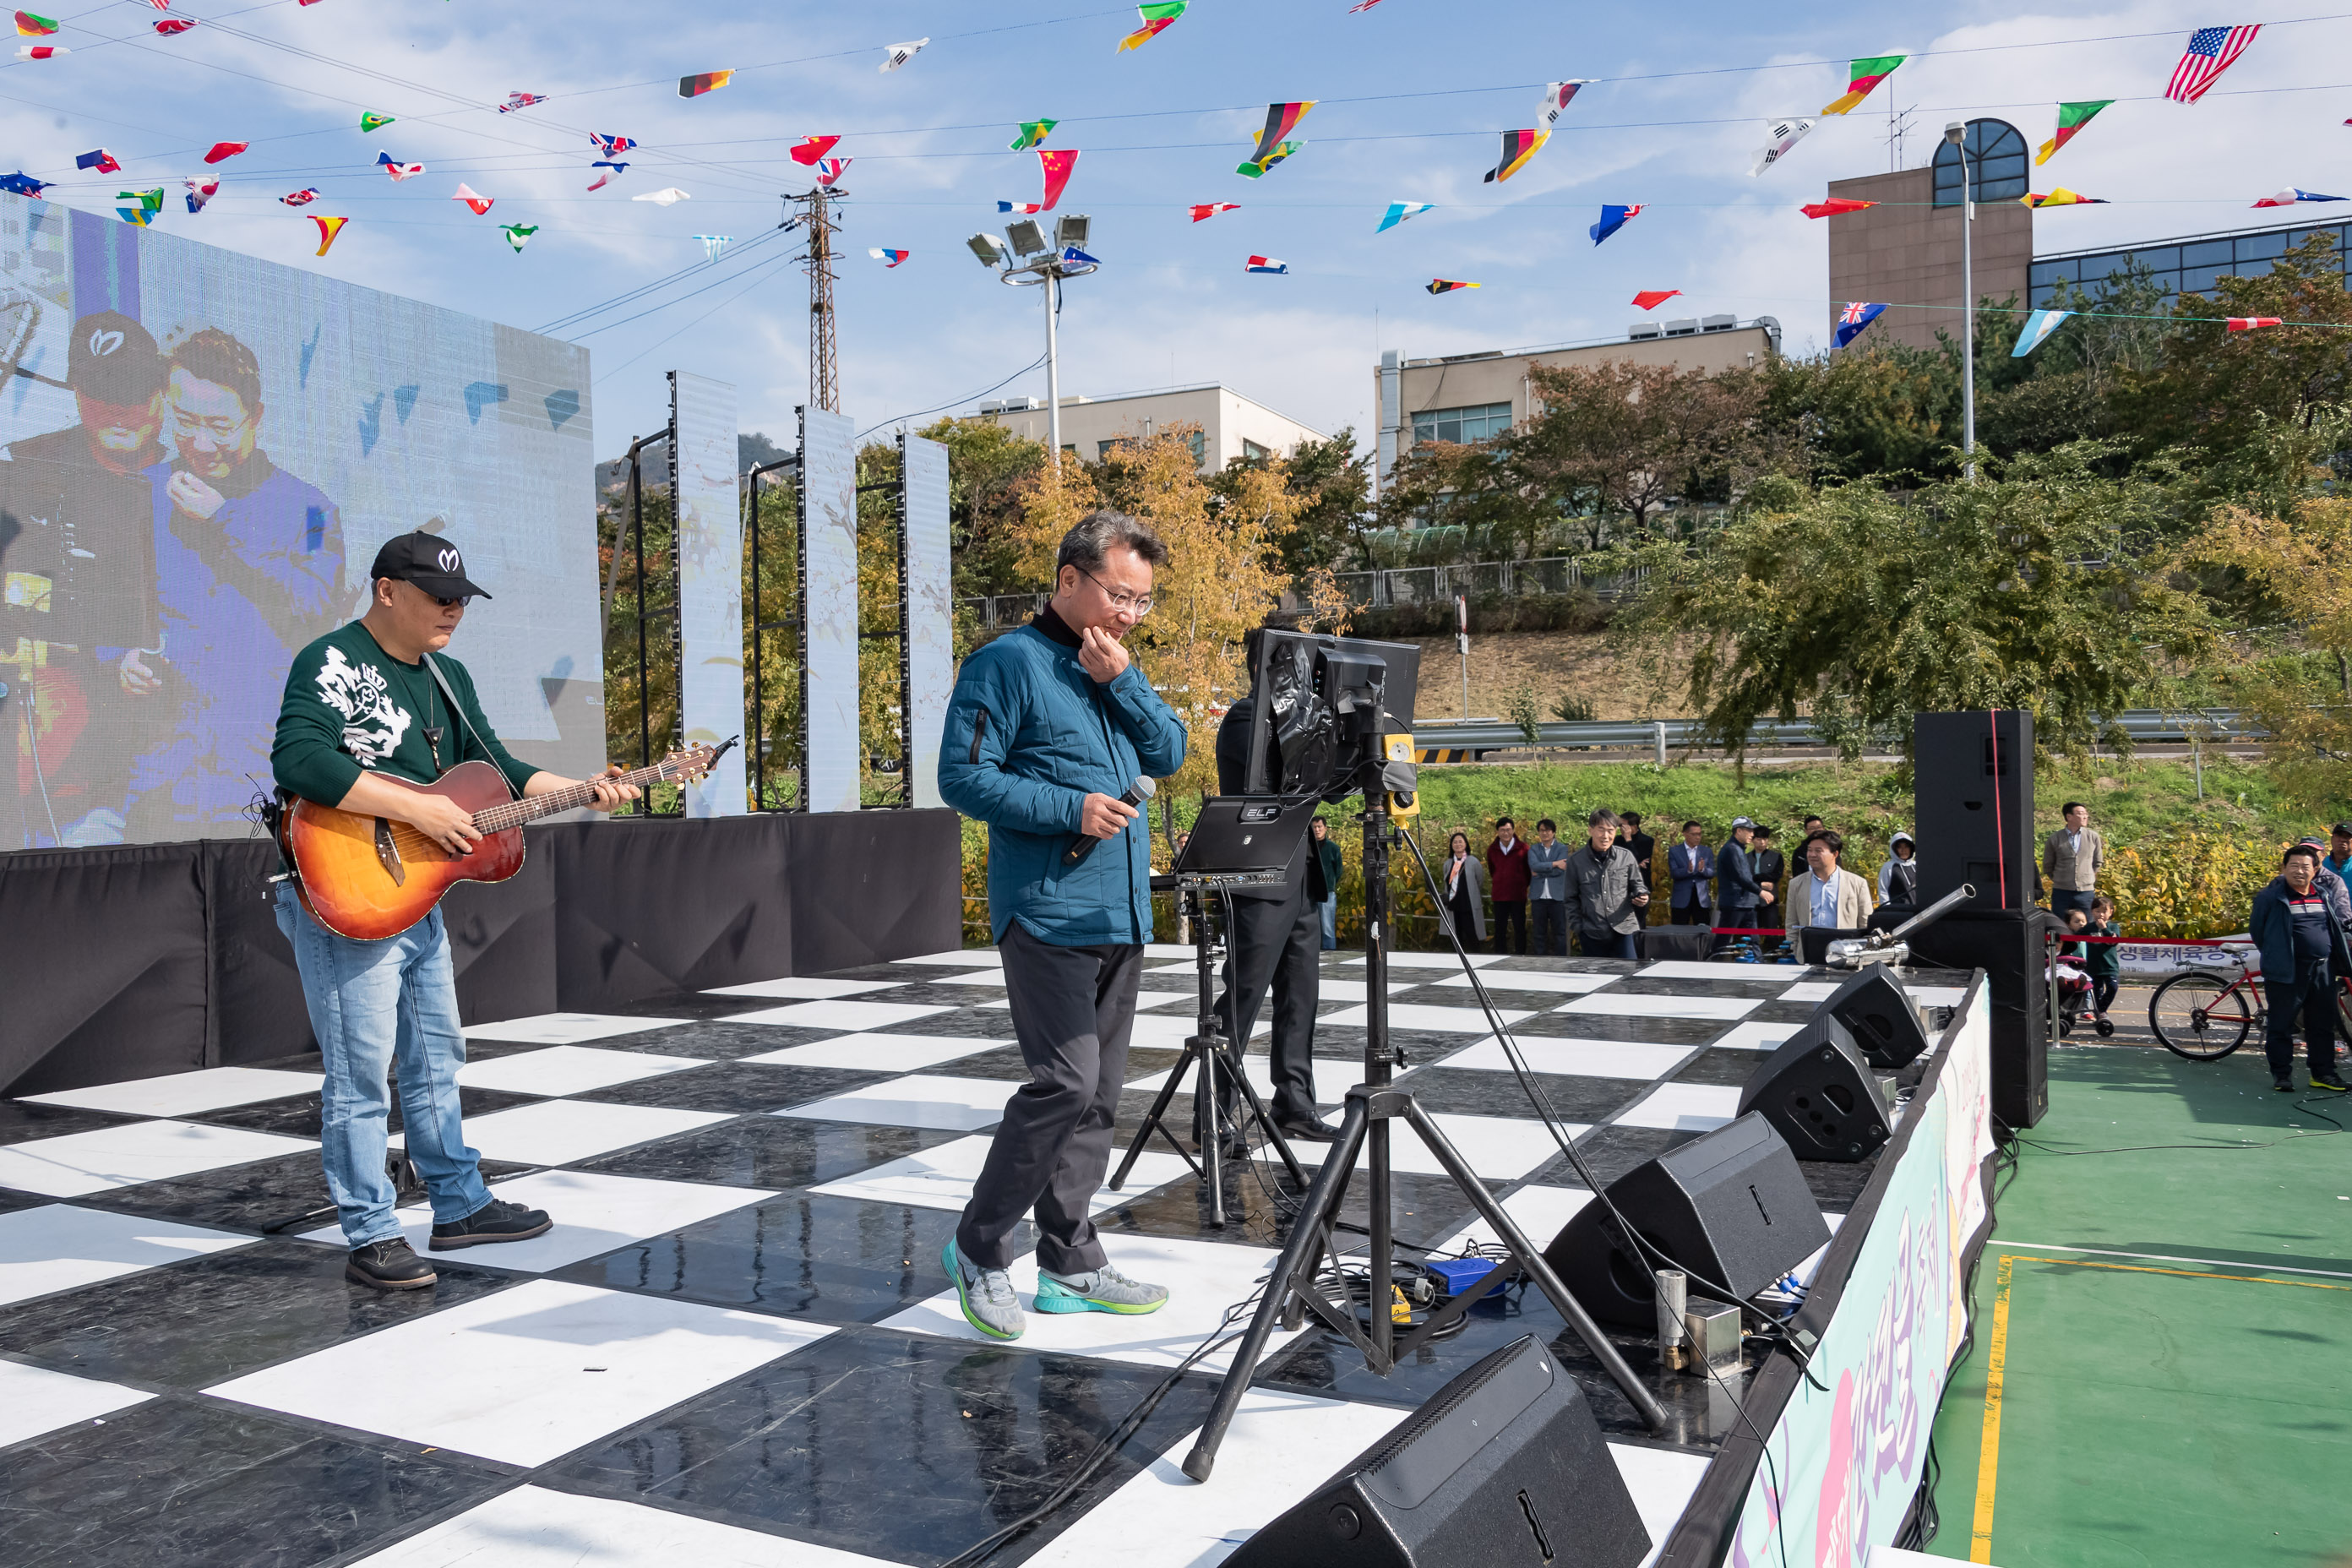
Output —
<point x="373" y="723"/>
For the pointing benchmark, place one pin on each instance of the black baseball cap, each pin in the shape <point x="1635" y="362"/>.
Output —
<point x="427" y="559"/>
<point x="112" y="359"/>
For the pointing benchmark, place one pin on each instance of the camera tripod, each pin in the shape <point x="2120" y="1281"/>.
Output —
<point x="1364" y="1131"/>
<point x="1206" y="1049"/>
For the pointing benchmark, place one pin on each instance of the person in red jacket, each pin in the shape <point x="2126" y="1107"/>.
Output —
<point x="1507" y="872"/>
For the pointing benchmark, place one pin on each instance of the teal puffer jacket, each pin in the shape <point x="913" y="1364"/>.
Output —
<point x="1030" y="734"/>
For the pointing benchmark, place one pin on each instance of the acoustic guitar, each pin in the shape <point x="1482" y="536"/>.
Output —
<point x="368" y="877"/>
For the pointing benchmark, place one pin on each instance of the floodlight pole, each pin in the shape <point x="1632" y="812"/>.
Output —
<point x="1066" y="258"/>
<point x="1956" y="133"/>
<point x="1053" y="292"/>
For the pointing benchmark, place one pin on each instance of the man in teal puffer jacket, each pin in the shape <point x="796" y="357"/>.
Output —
<point x="1048" y="727"/>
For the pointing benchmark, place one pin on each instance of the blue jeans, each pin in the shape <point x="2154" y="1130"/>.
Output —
<point x="1330" y="906"/>
<point x="1607" y="944"/>
<point x="373" y="1004"/>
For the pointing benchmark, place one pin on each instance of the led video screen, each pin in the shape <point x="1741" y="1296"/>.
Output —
<point x="200" y="454"/>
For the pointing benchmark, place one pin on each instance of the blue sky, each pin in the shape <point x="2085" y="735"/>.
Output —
<point x="1431" y="85"/>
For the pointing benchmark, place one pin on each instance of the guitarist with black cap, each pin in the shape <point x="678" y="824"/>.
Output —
<point x="369" y="700"/>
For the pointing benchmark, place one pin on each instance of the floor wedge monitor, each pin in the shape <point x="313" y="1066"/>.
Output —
<point x="1730" y="1208"/>
<point x="1819" y="1094"/>
<point x="1504" y="1468"/>
<point x="1878" y="1014"/>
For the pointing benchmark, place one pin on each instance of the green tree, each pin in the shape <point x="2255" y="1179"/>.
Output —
<point x="2230" y="394"/>
<point x="1333" y="485"/>
<point x="2041" y="586"/>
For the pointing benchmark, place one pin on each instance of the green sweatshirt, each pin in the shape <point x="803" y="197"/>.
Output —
<point x="349" y="706"/>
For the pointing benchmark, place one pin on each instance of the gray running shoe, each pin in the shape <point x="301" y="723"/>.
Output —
<point x="1104" y="1290"/>
<point x="986" y="1295"/>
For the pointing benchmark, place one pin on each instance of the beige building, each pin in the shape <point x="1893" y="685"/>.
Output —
<point x="1473" y="396"/>
<point x="1230" y="426"/>
<point x="1905" y="252"/>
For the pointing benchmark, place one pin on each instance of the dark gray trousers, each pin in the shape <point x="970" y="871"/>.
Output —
<point x="1275" y="943"/>
<point x="1073" y="1009"/>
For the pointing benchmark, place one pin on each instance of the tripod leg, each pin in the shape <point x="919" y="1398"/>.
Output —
<point x="1154" y="1118"/>
<point x="1532" y="1259"/>
<point x="1212" y="1147"/>
<point x="1322" y="1203"/>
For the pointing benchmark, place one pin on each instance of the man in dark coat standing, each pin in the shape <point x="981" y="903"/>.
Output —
<point x="1277" y="943"/>
<point x="1739" y="896"/>
<point x="1645" y="847"/>
<point x="2303" y="949"/>
<point x="1507" y="872"/>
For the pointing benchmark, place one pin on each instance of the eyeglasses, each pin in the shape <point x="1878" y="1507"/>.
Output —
<point x="459" y="603"/>
<point x="1137" y="605"/>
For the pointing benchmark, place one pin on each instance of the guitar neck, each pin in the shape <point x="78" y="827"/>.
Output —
<point x="515" y="813"/>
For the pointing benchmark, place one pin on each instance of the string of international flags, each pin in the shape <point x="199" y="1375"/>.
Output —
<point x="2210" y="52"/>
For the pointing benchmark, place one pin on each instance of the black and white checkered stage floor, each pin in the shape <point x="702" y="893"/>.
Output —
<point x="736" y="1346"/>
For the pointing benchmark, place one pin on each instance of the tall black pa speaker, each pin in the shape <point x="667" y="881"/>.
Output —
<point x="1878" y="1014"/>
<point x="1504" y="1467"/>
<point x="1730" y="1207"/>
<point x="1817" y="1092"/>
<point x="2009" y="949"/>
<point x="1973" y="795"/>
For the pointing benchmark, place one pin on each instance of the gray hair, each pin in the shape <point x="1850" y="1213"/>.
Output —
<point x="1100" y="532"/>
<point x="1602" y="818"/>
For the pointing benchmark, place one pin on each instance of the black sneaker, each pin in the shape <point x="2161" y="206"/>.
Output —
<point x="2282" y="1086"/>
<point x="2331" y="1083"/>
<point x="497" y="1220"/>
<point x="389" y="1266"/>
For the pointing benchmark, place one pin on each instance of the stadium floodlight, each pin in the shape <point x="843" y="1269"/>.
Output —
<point x="1044" y="266"/>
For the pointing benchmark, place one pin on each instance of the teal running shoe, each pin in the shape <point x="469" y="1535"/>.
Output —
<point x="1104" y="1290"/>
<point x="986" y="1295"/>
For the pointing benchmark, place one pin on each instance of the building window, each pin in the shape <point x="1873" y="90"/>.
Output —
<point x="1200" y="447"/>
<point x="1254" y="453"/>
<point x="1480" y="422"/>
<point x="1102" y="448"/>
<point x="1996" y="160"/>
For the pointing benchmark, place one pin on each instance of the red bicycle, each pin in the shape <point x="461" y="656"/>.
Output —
<point x="2206" y="1014"/>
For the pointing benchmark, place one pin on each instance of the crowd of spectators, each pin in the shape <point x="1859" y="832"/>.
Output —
<point x="1556" y="892"/>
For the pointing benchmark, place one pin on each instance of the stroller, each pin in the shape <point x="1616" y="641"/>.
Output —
<point x="2072" y="986"/>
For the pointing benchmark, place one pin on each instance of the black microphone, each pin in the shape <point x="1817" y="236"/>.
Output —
<point x="1081" y="847"/>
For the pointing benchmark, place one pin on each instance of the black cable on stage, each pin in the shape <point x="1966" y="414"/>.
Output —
<point x="1773" y="1328"/>
<point x="1775" y="1332"/>
<point x="1124" y="1428"/>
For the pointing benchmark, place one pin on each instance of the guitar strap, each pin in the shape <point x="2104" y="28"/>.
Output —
<point x="456" y="707"/>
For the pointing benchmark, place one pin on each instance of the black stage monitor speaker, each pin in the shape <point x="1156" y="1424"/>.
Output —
<point x="1504" y="1468"/>
<point x="2009" y="949"/>
<point x="1817" y="1092"/>
<point x="1878" y="1014"/>
<point x="1689" y="945"/>
<point x="1973" y="795"/>
<point x="1730" y="1207"/>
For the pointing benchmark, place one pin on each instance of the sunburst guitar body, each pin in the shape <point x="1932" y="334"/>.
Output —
<point x="368" y="877"/>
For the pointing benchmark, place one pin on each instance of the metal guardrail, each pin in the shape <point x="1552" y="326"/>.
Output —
<point x="1479" y="579"/>
<point x="2143" y="725"/>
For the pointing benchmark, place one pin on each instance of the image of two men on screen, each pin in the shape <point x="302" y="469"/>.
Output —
<point x="157" y="574"/>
